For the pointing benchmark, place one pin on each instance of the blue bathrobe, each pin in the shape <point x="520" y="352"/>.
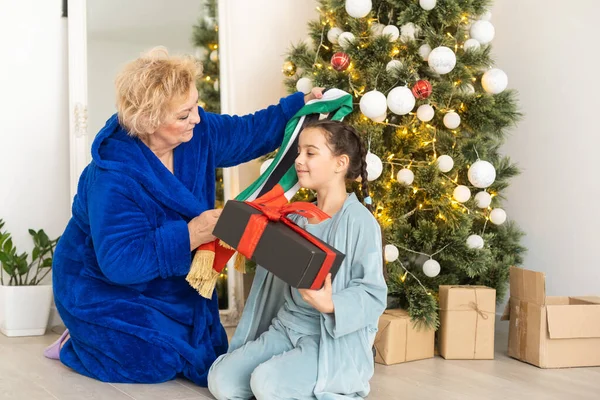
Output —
<point x="120" y="266"/>
<point x="285" y="349"/>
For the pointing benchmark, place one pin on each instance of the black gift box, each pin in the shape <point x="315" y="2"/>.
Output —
<point x="280" y="250"/>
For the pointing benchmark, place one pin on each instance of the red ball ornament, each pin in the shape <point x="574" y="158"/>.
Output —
<point x="340" y="61"/>
<point x="422" y="89"/>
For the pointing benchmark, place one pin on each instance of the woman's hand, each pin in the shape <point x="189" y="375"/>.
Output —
<point x="201" y="228"/>
<point x="322" y="299"/>
<point x="315" y="93"/>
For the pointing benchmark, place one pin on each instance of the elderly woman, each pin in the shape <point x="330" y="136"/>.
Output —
<point x="143" y="204"/>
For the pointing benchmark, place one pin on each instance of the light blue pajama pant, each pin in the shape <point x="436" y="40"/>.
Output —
<point x="280" y="364"/>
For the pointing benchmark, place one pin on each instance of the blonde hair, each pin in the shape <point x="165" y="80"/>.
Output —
<point x="148" y="86"/>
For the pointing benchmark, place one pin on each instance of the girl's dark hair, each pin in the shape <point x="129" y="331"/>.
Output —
<point x="344" y="139"/>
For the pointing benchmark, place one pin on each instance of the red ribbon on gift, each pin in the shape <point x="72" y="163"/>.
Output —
<point x="273" y="207"/>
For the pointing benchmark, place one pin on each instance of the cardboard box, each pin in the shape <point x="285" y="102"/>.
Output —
<point x="467" y="321"/>
<point x="280" y="250"/>
<point x="398" y="340"/>
<point x="547" y="331"/>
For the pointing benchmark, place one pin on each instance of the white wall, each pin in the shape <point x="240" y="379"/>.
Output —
<point x="34" y="159"/>
<point x="549" y="53"/>
<point x="260" y="32"/>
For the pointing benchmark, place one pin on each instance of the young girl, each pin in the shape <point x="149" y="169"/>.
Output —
<point x="306" y="344"/>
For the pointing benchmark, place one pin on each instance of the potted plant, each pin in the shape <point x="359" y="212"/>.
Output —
<point x="24" y="302"/>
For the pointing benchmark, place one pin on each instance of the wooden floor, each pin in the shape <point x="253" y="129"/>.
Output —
<point x="26" y="375"/>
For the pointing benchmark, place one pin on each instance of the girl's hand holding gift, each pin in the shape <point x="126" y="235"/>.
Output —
<point x="321" y="299"/>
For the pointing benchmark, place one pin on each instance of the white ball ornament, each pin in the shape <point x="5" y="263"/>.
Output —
<point x="494" y="81"/>
<point x="391" y="253"/>
<point x="308" y="41"/>
<point x="425" y="113"/>
<point x="377" y="29"/>
<point x="427" y="5"/>
<point x="393" y="65"/>
<point x="452" y="120"/>
<point x="381" y="118"/>
<point x="358" y="8"/>
<point x="408" y="32"/>
<point x="425" y="51"/>
<point x="214" y="56"/>
<point x="265" y="165"/>
<point x="483" y="199"/>
<point x="471" y="44"/>
<point x="333" y="34"/>
<point x="498" y="216"/>
<point x="401" y="100"/>
<point x="374" y="166"/>
<point x="373" y="104"/>
<point x="392" y="31"/>
<point x="467" y="89"/>
<point x="445" y="163"/>
<point x="346" y="39"/>
<point x="405" y="176"/>
<point x="482" y="174"/>
<point x="486" y="16"/>
<point x="201" y="53"/>
<point x="483" y="31"/>
<point x="442" y="60"/>
<point x="461" y="194"/>
<point x="475" y="242"/>
<point x="304" y="85"/>
<point x="431" y="268"/>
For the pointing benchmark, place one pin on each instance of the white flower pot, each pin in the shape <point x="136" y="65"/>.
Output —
<point x="24" y="310"/>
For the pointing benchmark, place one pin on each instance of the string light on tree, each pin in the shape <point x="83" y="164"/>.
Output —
<point x="461" y="194"/>
<point x="374" y="166"/>
<point x="482" y="174"/>
<point x="392" y="31"/>
<point x="358" y="8"/>
<point x="445" y="163"/>
<point x="431" y="268"/>
<point x="427" y="5"/>
<point x="304" y="85"/>
<point x="425" y="113"/>
<point x="400" y="100"/>
<point x="333" y="34"/>
<point x="442" y="60"/>
<point x="391" y="253"/>
<point x="373" y="104"/>
<point x="451" y="120"/>
<point x="422" y="89"/>
<point x="346" y="39"/>
<point x="483" y="199"/>
<point x="289" y="68"/>
<point x="483" y="31"/>
<point x="405" y="176"/>
<point x="498" y="216"/>
<point x="475" y="242"/>
<point x="340" y="61"/>
<point x="494" y="81"/>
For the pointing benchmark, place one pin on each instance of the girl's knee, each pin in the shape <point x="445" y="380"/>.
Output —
<point x="263" y="383"/>
<point x="221" y="383"/>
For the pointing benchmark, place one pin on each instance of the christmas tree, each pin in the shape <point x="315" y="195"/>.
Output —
<point x="434" y="113"/>
<point x="206" y="40"/>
